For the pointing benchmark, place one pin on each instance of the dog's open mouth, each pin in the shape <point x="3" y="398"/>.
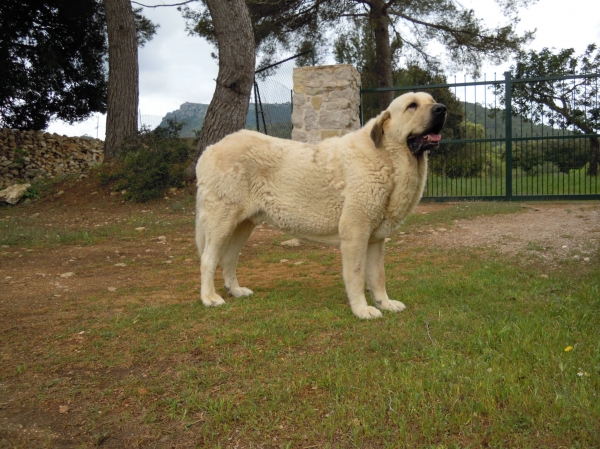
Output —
<point x="426" y="141"/>
<point x="430" y="139"/>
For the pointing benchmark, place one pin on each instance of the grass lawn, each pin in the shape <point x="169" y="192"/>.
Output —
<point x="575" y="183"/>
<point x="492" y="351"/>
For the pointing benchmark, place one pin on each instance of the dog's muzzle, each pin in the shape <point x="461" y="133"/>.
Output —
<point x="430" y="139"/>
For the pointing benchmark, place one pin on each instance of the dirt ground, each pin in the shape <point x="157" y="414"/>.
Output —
<point x="38" y="295"/>
<point x="551" y="230"/>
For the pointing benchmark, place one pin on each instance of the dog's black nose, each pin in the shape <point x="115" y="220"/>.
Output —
<point x="439" y="108"/>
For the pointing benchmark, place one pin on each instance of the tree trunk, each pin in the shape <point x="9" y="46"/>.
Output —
<point x="383" y="52"/>
<point x="229" y="106"/>
<point x="595" y="152"/>
<point x="123" y="75"/>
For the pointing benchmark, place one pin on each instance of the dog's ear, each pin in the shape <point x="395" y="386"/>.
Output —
<point x="377" y="131"/>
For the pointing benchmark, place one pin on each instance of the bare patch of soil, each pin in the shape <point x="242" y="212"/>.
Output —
<point x="552" y="231"/>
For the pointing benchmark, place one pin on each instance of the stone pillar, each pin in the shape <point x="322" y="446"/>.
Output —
<point x="326" y="102"/>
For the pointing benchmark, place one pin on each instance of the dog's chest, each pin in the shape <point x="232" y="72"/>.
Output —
<point x="408" y="182"/>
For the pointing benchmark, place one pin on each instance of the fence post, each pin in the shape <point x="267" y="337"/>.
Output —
<point x="508" y="132"/>
<point x="360" y="108"/>
<point x="256" y="105"/>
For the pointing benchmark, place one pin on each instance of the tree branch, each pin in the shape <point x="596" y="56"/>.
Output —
<point x="437" y="26"/>
<point x="160" y="6"/>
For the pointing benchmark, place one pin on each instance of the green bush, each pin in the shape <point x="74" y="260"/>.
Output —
<point x="149" y="164"/>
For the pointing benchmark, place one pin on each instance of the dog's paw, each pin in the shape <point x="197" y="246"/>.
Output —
<point x="213" y="300"/>
<point x="367" y="313"/>
<point x="240" y="291"/>
<point x="392" y="306"/>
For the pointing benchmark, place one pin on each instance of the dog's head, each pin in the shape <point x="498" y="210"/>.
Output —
<point x="414" y="119"/>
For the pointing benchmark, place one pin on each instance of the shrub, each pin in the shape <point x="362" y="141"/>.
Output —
<point x="149" y="164"/>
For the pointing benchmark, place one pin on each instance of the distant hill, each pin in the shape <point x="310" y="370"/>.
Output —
<point x="192" y="116"/>
<point x="278" y="120"/>
<point x="495" y="127"/>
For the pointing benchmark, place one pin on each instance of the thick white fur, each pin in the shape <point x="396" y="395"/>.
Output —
<point x="344" y="191"/>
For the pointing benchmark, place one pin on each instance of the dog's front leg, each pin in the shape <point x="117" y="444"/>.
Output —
<point x="376" y="278"/>
<point x="354" y="262"/>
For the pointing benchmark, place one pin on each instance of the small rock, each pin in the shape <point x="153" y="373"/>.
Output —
<point x="388" y="240"/>
<point x="14" y="193"/>
<point x="565" y="246"/>
<point x="63" y="409"/>
<point x="114" y="193"/>
<point x="168" y="261"/>
<point x="284" y="260"/>
<point x="112" y="289"/>
<point x="292" y="242"/>
<point x="188" y="260"/>
<point x="442" y="229"/>
<point x="35" y="215"/>
<point x="60" y="193"/>
<point x="545" y="276"/>
<point x="299" y="262"/>
<point x="120" y="265"/>
<point x="162" y="239"/>
<point x="586" y="259"/>
<point x="67" y="275"/>
<point x="140" y="229"/>
<point x="576" y="257"/>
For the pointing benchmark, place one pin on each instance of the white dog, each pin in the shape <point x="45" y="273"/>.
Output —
<point x="353" y="191"/>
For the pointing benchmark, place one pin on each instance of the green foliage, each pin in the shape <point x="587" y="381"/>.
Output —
<point x="20" y="155"/>
<point x="355" y="44"/>
<point x="145" y="28"/>
<point x="149" y="164"/>
<point x="567" y="104"/>
<point x="53" y="61"/>
<point x="53" y="58"/>
<point x="32" y="192"/>
<point x="558" y="155"/>
<point x="470" y="160"/>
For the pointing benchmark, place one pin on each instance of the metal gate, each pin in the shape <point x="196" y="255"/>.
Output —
<point x="499" y="147"/>
<point x="273" y="91"/>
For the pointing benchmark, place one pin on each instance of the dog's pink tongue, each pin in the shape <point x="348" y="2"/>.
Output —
<point x="434" y="137"/>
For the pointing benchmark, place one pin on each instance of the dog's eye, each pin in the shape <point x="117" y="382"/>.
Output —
<point x="413" y="105"/>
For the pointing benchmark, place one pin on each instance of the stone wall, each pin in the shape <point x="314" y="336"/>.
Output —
<point x="326" y="102"/>
<point x="25" y="155"/>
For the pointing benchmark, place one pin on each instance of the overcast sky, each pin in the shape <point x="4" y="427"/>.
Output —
<point x="176" y="68"/>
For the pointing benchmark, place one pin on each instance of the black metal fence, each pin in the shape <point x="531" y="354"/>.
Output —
<point x="515" y="139"/>
<point x="273" y="90"/>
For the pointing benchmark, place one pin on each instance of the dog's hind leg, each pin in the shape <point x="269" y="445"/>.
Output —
<point x="200" y="236"/>
<point x="230" y="258"/>
<point x="375" y="276"/>
<point x="218" y="229"/>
